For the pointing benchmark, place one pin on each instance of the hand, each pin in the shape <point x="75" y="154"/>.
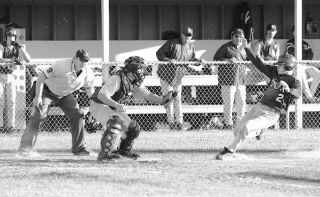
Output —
<point x="314" y="99"/>
<point x="168" y="98"/>
<point x="232" y="60"/>
<point x="121" y="108"/>
<point x="283" y="86"/>
<point x="172" y="61"/>
<point x="16" y="44"/>
<point x="37" y="103"/>
<point x="245" y="43"/>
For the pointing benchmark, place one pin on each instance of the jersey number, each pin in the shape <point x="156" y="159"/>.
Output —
<point x="280" y="98"/>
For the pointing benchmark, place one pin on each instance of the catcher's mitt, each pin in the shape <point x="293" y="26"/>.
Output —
<point x="168" y="98"/>
<point x="91" y="124"/>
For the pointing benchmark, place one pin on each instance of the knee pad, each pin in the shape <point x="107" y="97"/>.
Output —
<point x="132" y="133"/>
<point x="115" y="123"/>
<point x="133" y="130"/>
<point x="111" y="134"/>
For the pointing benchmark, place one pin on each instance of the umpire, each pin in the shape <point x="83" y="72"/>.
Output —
<point x="55" y="86"/>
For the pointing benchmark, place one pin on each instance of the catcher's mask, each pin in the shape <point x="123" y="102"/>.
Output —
<point x="11" y="32"/>
<point x="137" y="67"/>
<point x="287" y="60"/>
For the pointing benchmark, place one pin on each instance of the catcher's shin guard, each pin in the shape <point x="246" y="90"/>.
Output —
<point x="109" y="138"/>
<point x="127" y="143"/>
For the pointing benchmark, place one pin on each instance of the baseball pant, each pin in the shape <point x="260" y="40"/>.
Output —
<point x="174" y="109"/>
<point x="257" y="118"/>
<point x="102" y="113"/>
<point x="7" y="99"/>
<point x="313" y="73"/>
<point x="229" y="94"/>
<point x="69" y="106"/>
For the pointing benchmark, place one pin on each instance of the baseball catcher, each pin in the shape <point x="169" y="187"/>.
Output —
<point x="108" y="107"/>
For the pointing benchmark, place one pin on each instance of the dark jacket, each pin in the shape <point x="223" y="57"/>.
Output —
<point x="230" y="74"/>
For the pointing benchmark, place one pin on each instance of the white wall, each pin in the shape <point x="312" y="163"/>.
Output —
<point x="119" y="50"/>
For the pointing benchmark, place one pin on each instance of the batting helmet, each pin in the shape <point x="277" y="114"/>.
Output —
<point x="136" y="65"/>
<point x="288" y="61"/>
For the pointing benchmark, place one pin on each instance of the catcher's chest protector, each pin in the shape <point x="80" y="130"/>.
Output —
<point x="125" y="91"/>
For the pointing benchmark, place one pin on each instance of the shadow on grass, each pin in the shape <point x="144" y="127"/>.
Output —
<point x="178" y="150"/>
<point x="280" y="177"/>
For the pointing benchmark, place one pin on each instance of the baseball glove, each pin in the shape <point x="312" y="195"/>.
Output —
<point x="168" y="98"/>
<point x="91" y="124"/>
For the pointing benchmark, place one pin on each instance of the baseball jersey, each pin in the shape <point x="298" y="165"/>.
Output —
<point x="8" y="53"/>
<point x="119" y="88"/>
<point x="63" y="80"/>
<point x="273" y="97"/>
<point x="268" y="51"/>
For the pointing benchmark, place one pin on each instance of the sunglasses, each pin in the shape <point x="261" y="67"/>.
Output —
<point x="187" y="34"/>
<point x="241" y="37"/>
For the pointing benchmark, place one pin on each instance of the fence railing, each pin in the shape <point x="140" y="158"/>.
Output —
<point x="201" y="94"/>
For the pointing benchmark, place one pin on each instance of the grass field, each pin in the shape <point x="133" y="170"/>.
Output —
<point x="283" y="163"/>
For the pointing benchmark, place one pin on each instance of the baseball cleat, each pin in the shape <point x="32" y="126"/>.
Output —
<point x="224" y="154"/>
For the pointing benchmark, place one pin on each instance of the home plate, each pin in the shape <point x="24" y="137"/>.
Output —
<point x="315" y="154"/>
<point x="148" y="160"/>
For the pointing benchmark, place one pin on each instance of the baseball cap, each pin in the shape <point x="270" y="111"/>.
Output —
<point x="238" y="31"/>
<point x="82" y="55"/>
<point x="271" y="27"/>
<point x="187" y="30"/>
<point x="11" y="32"/>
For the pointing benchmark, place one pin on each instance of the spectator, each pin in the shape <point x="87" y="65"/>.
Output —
<point x="268" y="49"/>
<point x="231" y="76"/>
<point x="307" y="53"/>
<point x="55" y="85"/>
<point x="11" y="54"/>
<point x="173" y="51"/>
<point x="311" y="74"/>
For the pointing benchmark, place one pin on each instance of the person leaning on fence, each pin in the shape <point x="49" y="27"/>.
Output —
<point x="310" y="74"/>
<point x="268" y="49"/>
<point x="283" y="88"/>
<point x="11" y="55"/>
<point x="173" y="52"/>
<point x="307" y="53"/>
<point x="55" y="86"/>
<point x="231" y="76"/>
<point x="108" y="108"/>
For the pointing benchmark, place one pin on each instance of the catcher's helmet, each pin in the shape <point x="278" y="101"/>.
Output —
<point x="137" y="67"/>
<point x="11" y="32"/>
<point x="288" y="61"/>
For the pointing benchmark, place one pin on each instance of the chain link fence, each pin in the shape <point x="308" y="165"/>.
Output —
<point x="203" y="95"/>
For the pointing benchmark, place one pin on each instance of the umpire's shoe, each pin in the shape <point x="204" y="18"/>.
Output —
<point x="224" y="154"/>
<point x="82" y="152"/>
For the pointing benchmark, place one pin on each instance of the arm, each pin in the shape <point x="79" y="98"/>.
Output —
<point x="37" y="101"/>
<point x="258" y="49"/>
<point x="220" y="54"/>
<point x="143" y="92"/>
<point x="162" y="51"/>
<point x="278" y="51"/>
<point x="257" y="62"/>
<point x="23" y="54"/>
<point x="89" y="91"/>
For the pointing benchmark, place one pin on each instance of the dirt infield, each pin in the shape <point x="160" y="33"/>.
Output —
<point x="284" y="163"/>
